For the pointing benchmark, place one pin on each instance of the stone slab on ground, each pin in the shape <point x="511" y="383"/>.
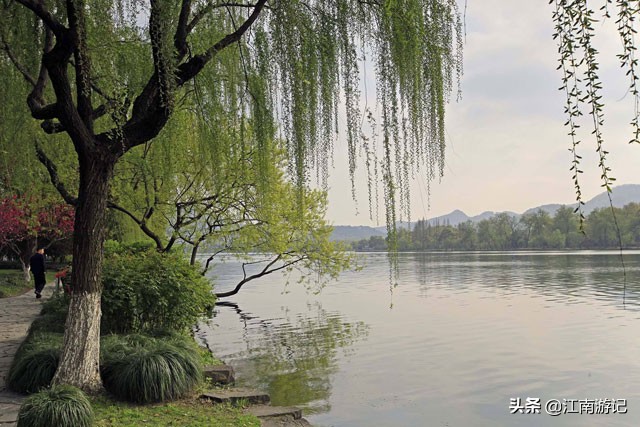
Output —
<point x="237" y="395"/>
<point x="9" y="414"/>
<point x="16" y="315"/>
<point x="266" y="411"/>
<point x="9" y="407"/>
<point x="220" y="374"/>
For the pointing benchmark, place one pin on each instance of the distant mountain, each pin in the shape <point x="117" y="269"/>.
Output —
<point x="357" y="232"/>
<point x="621" y="195"/>
<point x="489" y="214"/>
<point x="454" y="218"/>
<point x="550" y="209"/>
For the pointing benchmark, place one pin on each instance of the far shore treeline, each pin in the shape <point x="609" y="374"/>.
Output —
<point x="537" y="230"/>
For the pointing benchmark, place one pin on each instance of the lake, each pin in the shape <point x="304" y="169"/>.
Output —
<point x="456" y="342"/>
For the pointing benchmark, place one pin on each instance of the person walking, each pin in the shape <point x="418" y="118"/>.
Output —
<point x="36" y="262"/>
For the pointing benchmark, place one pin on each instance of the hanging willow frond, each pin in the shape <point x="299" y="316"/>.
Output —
<point x="574" y="31"/>
<point x="416" y="48"/>
<point x="628" y="12"/>
<point x="273" y="68"/>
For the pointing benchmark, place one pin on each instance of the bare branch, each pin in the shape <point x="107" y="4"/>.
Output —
<point x="151" y="108"/>
<point x="35" y="100"/>
<point x="191" y="68"/>
<point x="56" y="61"/>
<point x="197" y="17"/>
<point x="76" y="16"/>
<point x="180" y="38"/>
<point x="53" y="175"/>
<point x="208" y="262"/>
<point x="262" y="273"/>
<point x="21" y="68"/>
<point x="41" y="11"/>
<point x="141" y="223"/>
<point x="46" y="112"/>
<point x="52" y="127"/>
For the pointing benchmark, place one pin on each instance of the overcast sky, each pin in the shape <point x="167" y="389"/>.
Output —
<point x="507" y="148"/>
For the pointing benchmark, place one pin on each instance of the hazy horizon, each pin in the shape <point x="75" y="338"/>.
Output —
<point x="473" y="214"/>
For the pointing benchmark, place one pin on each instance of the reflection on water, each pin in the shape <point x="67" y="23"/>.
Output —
<point x="467" y="332"/>
<point x="292" y="358"/>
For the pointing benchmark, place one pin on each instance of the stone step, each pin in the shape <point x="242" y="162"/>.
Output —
<point x="237" y="395"/>
<point x="220" y="374"/>
<point x="265" y="411"/>
<point x="279" y="422"/>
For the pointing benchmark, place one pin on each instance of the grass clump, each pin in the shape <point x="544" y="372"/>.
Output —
<point x="144" y="369"/>
<point x="35" y="362"/>
<point x="208" y="359"/>
<point x="60" y="406"/>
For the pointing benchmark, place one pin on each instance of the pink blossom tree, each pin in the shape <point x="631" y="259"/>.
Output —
<point x="26" y="223"/>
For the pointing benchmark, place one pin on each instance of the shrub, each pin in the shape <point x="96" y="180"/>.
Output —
<point x="35" y="363"/>
<point x="115" y="247"/>
<point x="146" y="290"/>
<point x="144" y="369"/>
<point x="60" y="406"/>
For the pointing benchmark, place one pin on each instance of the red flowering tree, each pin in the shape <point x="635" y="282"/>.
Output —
<point x="26" y="222"/>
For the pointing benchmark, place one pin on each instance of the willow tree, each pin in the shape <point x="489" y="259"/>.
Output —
<point x="183" y="200"/>
<point x="110" y="75"/>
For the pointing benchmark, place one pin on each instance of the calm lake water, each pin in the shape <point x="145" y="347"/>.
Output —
<point x="450" y="345"/>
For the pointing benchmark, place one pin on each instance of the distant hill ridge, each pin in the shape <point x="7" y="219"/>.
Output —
<point x="621" y="195"/>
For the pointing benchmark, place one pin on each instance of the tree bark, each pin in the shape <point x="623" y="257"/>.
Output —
<point x="24" y="252"/>
<point x="26" y="271"/>
<point x="79" y="362"/>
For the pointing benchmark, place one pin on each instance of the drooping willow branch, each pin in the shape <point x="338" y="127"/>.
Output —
<point x="574" y="31"/>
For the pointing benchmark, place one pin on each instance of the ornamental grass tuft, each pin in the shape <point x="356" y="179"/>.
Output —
<point x="143" y="369"/>
<point x="35" y="363"/>
<point x="60" y="406"/>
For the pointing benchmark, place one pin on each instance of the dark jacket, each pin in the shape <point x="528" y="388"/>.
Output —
<point x="37" y="264"/>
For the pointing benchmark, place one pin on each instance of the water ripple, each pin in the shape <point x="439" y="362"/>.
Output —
<point x="448" y="343"/>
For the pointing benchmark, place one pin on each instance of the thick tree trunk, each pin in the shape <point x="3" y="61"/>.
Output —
<point x="28" y="248"/>
<point x="79" y="363"/>
<point x="26" y="271"/>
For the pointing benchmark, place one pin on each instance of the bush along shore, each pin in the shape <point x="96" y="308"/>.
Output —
<point x="151" y="367"/>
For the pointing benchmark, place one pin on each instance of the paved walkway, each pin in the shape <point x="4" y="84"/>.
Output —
<point x="16" y="315"/>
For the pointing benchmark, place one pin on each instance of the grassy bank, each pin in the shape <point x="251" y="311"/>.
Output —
<point x="12" y="283"/>
<point x="153" y="354"/>
<point x="186" y="412"/>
